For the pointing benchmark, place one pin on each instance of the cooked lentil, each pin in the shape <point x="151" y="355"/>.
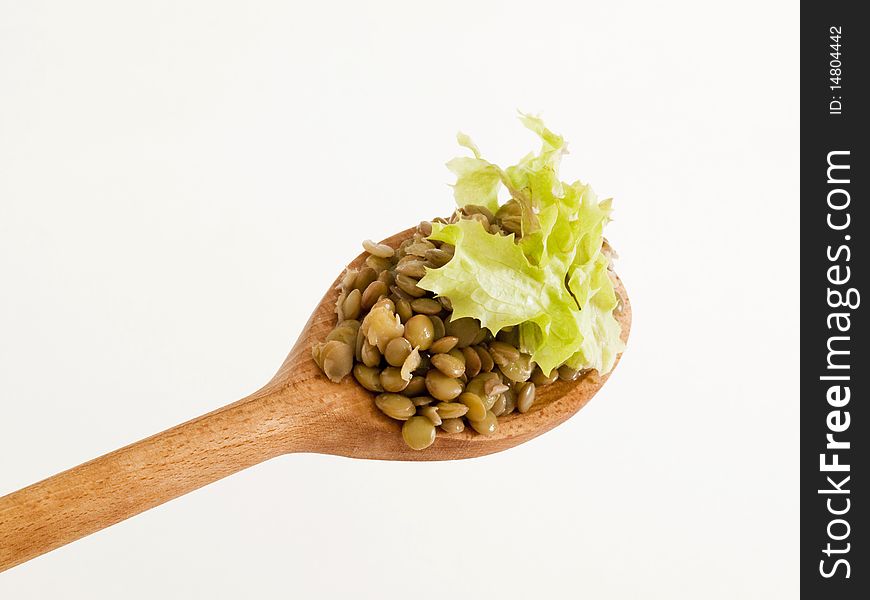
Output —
<point x="526" y="397"/>
<point x="443" y="344"/>
<point x="396" y="406"/>
<point x="369" y="354"/>
<point x="441" y="386"/>
<point x="368" y="377"/>
<point x="447" y="364"/>
<point x="352" y="305"/>
<point x="453" y="425"/>
<point x="485" y="359"/>
<point x="418" y="432"/>
<point x="476" y="409"/>
<point x="426" y="306"/>
<point x="378" y="264"/>
<point x="438" y="326"/>
<point x="391" y="380"/>
<point x="451" y="410"/>
<point x="373" y="293"/>
<point x="422" y="400"/>
<point x="411" y="364"/>
<point x="397" y="351"/>
<point x="415" y="387"/>
<point x="379" y="250"/>
<point x="431" y="413"/>
<point x="498" y="407"/>
<point x="337" y="358"/>
<point x="420" y="331"/>
<point x="510" y="404"/>
<point x="472" y="360"/>
<point x="364" y="278"/>
<point x="487" y="425"/>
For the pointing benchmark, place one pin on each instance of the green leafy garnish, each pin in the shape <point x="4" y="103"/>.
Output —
<point x="553" y="282"/>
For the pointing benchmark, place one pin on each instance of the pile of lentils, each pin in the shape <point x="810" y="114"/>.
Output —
<point x="426" y="368"/>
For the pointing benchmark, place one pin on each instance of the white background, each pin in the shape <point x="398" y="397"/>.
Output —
<point x="181" y="181"/>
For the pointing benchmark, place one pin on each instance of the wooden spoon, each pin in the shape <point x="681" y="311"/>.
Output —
<point x="299" y="410"/>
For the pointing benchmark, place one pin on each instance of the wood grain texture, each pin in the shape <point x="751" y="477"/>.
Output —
<point x="299" y="410"/>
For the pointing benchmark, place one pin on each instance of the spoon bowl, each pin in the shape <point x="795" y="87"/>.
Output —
<point x="299" y="410"/>
<point x="365" y="431"/>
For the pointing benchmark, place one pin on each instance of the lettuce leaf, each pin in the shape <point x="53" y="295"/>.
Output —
<point x="553" y="282"/>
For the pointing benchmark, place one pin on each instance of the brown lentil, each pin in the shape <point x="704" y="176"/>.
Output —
<point x="397" y="293"/>
<point x="397" y="351"/>
<point x="566" y="373"/>
<point x="415" y="387"/>
<point x="409" y="286"/>
<point x="538" y="377"/>
<point x="419" y="248"/>
<point x="471" y="209"/>
<point x="373" y="293"/>
<point x="378" y="264"/>
<point x="368" y="377"/>
<point x="411" y="268"/>
<point x="437" y="257"/>
<point x="518" y="370"/>
<point x="443" y="344"/>
<point x="498" y="407"/>
<point x="481" y="336"/>
<point x="379" y="250"/>
<point x="420" y="331"/>
<point x="480" y="219"/>
<point x="391" y="380"/>
<point x="365" y="276"/>
<point x="487" y="425"/>
<point x="352" y="305"/>
<point x="438" y="326"/>
<point x="395" y="406"/>
<point x="426" y="306"/>
<point x="337" y="359"/>
<point x="418" y="432"/>
<point x="526" y="397"/>
<point x="387" y="278"/>
<point x="494" y="387"/>
<point x="403" y="309"/>
<point x="472" y="361"/>
<point x="346" y="333"/>
<point x="476" y="408"/>
<point x="369" y="354"/>
<point x="486" y="362"/>
<point x="422" y="400"/>
<point x="452" y="425"/>
<point x="502" y="353"/>
<point x="348" y="279"/>
<point x="510" y="404"/>
<point x="447" y="364"/>
<point x="431" y="413"/>
<point x="451" y="410"/>
<point x="441" y="386"/>
<point x="477" y="383"/>
<point x="411" y="364"/>
<point x="466" y="329"/>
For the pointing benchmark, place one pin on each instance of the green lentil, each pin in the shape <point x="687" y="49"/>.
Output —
<point x="418" y="432"/>
<point x="395" y="406"/>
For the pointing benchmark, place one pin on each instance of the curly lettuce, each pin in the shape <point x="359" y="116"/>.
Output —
<point x="553" y="281"/>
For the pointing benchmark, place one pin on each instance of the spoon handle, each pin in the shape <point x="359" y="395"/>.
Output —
<point x="123" y="483"/>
